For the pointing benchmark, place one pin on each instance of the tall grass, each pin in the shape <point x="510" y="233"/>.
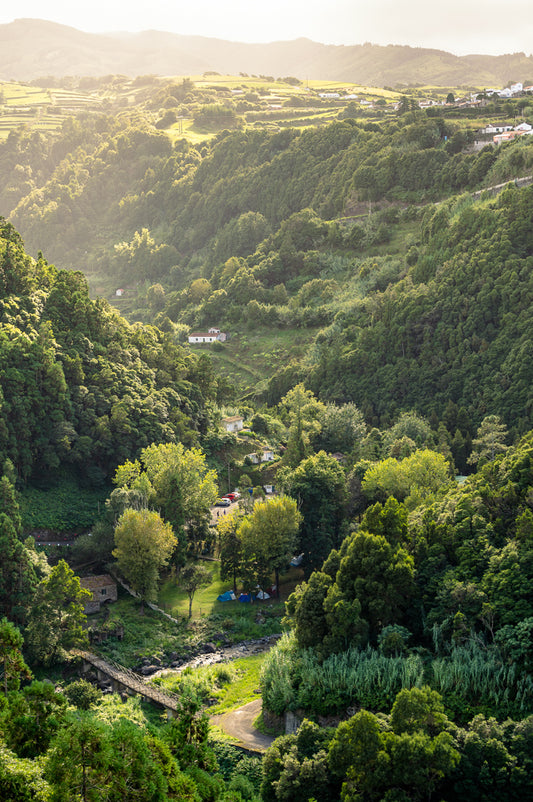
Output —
<point x="295" y="679"/>
<point x="480" y="675"/>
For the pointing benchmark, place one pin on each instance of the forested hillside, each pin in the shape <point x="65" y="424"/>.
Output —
<point x="358" y="236"/>
<point x="80" y="387"/>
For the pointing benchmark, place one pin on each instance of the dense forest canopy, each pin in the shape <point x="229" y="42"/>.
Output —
<point x="81" y="387"/>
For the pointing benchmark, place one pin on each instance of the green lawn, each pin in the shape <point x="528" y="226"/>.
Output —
<point x="175" y="601"/>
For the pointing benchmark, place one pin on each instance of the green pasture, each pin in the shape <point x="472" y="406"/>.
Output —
<point x="251" y="357"/>
<point x="16" y="94"/>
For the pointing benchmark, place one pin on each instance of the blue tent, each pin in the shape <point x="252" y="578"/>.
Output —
<point x="227" y="596"/>
<point x="245" y="597"/>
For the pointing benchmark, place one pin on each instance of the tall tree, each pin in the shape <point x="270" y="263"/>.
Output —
<point x="230" y="547"/>
<point x="318" y="485"/>
<point x="178" y="481"/>
<point x="144" y="545"/>
<point x="11" y="660"/>
<point x="303" y="411"/>
<point x="17" y="575"/>
<point x="269" y="537"/>
<point x="489" y="440"/>
<point x="56" y="618"/>
<point x="192" y="578"/>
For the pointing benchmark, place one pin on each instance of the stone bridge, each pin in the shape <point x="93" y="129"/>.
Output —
<point x="125" y="680"/>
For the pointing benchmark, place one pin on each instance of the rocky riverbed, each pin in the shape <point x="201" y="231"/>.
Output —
<point x="207" y="655"/>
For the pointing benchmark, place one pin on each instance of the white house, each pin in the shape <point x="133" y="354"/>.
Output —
<point x="233" y="424"/>
<point x="266" y="455"/>
<point x="213" y="335"/>
<point x="516" y="88"/>
<point x="496" y="129"/>
<point x="526" y="128"/>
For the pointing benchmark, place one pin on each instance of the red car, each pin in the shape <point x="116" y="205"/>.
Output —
<point x="232" y="496"/>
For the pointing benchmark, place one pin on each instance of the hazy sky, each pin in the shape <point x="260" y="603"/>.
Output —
<point x="459" y="26"/>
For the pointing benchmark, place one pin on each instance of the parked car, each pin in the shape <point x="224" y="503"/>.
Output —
<point x="232" y="496"/>
<point x="223" y="502"/>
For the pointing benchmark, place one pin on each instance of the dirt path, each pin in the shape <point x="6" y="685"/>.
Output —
<point x="239" y="724"/>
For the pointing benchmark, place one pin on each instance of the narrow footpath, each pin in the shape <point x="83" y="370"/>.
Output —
<point x="239" y="725"/>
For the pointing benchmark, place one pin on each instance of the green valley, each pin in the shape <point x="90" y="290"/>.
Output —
<point x="265" y="372"/>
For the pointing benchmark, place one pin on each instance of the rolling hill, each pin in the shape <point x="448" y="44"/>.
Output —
<point x="31" y="48"/>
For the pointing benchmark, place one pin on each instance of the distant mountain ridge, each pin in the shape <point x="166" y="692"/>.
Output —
<point x="31" y="48"/>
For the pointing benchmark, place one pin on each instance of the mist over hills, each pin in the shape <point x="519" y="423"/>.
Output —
<point x="31" y="48"/>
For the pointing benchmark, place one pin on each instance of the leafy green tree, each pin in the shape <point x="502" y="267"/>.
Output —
<point x="118" y="760"/>
<point x="78" y="761"/>
<point x="412" y="479"/>
<point x="379" y="575"/>
<point x="34" y="716"/>
<point x="489" y="440"/>
<point x="269" y="536"/>
<point x="82" y="694"/>
<point x="408" y="762"/>
<point x="144" y="545"/>
<point x="296" y="767"/>
<point x="21" y="779"/>
<point x="8" y="502"/>
<point x="17" y="574"/>
<point x="178" y="481"/>
<point x="417" y="709"/>
<point x="342" y="429"/>
<point x="413" y="426"/>
<point x="56" y="618"/>
<point x="230" y="547"/>
<point x="318" y="485"/>
<point x="389" y="520"/>
<point x="192" y="577"/>
<point x="302" y="410"/>
<point x="11" y="659"/>
<point x="305" y="607"/>
<point x="188" y="734"/>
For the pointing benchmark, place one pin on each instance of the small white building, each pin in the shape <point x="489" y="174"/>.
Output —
<point x="212" y="335"/>
<point x="233" y="424"/>
<point x="496" y="129"/>
<point x="265" y="455"/>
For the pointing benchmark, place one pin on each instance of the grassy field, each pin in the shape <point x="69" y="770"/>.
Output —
<point x="173" y="600"/>
<point x="249" y="358"/>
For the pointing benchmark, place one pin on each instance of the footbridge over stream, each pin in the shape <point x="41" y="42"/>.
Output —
<point x="124" y="680"/>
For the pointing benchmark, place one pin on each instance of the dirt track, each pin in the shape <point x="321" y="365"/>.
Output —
<point x="239" y="724"/>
